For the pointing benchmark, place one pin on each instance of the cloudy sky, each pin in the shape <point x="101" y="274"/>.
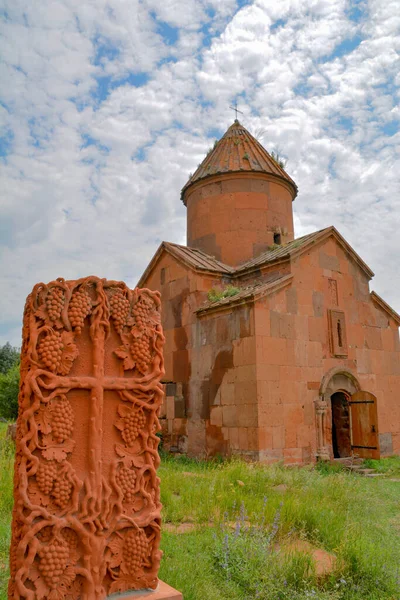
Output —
<point x="107" y="106"/>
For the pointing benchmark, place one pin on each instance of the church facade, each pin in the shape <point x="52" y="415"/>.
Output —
<point x="290" y="357"/>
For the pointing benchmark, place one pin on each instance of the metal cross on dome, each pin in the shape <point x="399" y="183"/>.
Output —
<point x="235" y="108"/>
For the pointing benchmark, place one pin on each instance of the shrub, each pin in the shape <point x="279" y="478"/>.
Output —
<point x="9" y="388"/>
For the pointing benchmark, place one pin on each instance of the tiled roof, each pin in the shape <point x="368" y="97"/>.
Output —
<point x="299" y="245"/>
<point x="238" y="151"/>
<point x="283" y="251"/>
<point x="198" y="259"/>
<point x="247" y="293"/>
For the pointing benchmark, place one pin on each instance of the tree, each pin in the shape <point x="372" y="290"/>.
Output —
<point x="9" y="356"/>
<point x="9" y="388"/>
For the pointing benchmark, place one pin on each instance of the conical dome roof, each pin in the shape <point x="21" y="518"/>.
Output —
<point x="238" y="151"/>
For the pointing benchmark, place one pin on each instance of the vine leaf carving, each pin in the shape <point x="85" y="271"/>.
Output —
<point x="42" y="590"/>
<point x="123" y="352"/>
<point x="122" y="584"/>
<point x="42" y="313"/>
<point x="123" y="411"/>
<point x="57" y="452"/>
<point x="36" y="496"/>
<point x="43" y="420"/>
<point x="69" y="352"/>
<point x="137" y="460"/>
<point x="154" y="319"/>
<point x="116" y="548"/>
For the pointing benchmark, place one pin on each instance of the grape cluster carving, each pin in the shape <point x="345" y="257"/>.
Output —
<point x="62" y="491"/>
<point x="50" y="350"/>
<point x="141" y="352"/>
<point x="126" y="480"/>
<point x="135" y="550"/>
<point x="54" y="303"/>
<point x="45" y="476"/>
<point x="134" y="422"/>
<point x="119" y="305"/>
<point x="62" y="420"/>
<point x="53" y="559"/>
<point x="79" y="308"/>
<point x="89" y="529"/>
<point x="70" y="537"/>
<point x="142" y="309"/>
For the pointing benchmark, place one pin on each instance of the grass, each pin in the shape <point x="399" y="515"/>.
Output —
<point x="389" y="466"/>
<point x="355" y="518"/>
<point x="6" y="503"/>
<point x="215" y="295"/>
<point x="239" y="519"/>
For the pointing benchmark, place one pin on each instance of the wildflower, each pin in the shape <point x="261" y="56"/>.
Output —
<point x="237" y="529"/>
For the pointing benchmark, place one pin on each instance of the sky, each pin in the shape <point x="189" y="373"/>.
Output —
<point x="106" y="106"/>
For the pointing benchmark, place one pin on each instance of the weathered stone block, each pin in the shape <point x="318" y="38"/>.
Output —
<point x="386" y="443"/>
<point x="318" y="304"/>
<point x="329" y="262"/>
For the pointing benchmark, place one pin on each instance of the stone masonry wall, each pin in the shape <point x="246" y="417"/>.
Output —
<point x="182" y="291"/>
<point x="224" y="383"/>
<point x="294" y="352"/>
<point x="250" y="208"/>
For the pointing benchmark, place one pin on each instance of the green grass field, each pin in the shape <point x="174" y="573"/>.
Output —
<point x="239" y="525"/>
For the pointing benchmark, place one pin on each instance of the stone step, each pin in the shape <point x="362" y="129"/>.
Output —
<point x="348" y="461"/>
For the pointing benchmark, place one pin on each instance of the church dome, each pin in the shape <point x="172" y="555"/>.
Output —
<point x="238" y="151"/>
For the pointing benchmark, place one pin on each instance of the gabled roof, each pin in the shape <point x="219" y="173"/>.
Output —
<point x="202" y="262"/>
<point x="191" y="257"/>
<point x="385" y="307"/>
<point x="197" y="258"/>
<point x="238" y="151"/>
<point x="298" y="246"/>
<point x="247" y="294"/>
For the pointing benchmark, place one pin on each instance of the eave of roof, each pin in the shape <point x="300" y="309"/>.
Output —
<point x="191" y="257"/>
<point x="202" y="262"/>
<point x="298" y="246"/>
<point x="246" y="295"/>
<point x="385" y="307"/>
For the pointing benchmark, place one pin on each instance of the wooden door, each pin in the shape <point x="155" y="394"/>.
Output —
<point x="364" y="425"/>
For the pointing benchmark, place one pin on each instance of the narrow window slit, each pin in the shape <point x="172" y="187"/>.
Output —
<point x="339" y="333"/>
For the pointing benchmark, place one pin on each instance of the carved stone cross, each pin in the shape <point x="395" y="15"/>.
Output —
<point x="86" y="520"/>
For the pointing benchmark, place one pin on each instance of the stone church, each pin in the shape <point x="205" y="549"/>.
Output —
<point x="291" y="357"/>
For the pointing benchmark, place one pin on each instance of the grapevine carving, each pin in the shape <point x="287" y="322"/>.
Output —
<point x="86" y="519"/>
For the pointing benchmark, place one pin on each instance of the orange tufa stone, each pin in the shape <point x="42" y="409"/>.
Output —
<point x="276" y="350"/>
<point x="86" y="518"/>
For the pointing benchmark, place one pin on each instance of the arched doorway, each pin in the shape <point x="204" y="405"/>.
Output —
<point x="346" y="418"/>
<point x="341" y="439"/>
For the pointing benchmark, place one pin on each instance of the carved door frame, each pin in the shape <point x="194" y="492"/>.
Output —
<point x="338" y="379"/>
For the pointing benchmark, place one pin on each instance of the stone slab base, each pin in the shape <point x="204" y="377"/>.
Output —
<point x="163" y="592"/>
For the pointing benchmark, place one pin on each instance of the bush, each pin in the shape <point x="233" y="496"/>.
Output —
<point x="9" y="388"/>
<point x="9" y="356"/>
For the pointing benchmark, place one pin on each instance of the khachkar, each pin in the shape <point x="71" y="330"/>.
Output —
<point x="86" y="520"/>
